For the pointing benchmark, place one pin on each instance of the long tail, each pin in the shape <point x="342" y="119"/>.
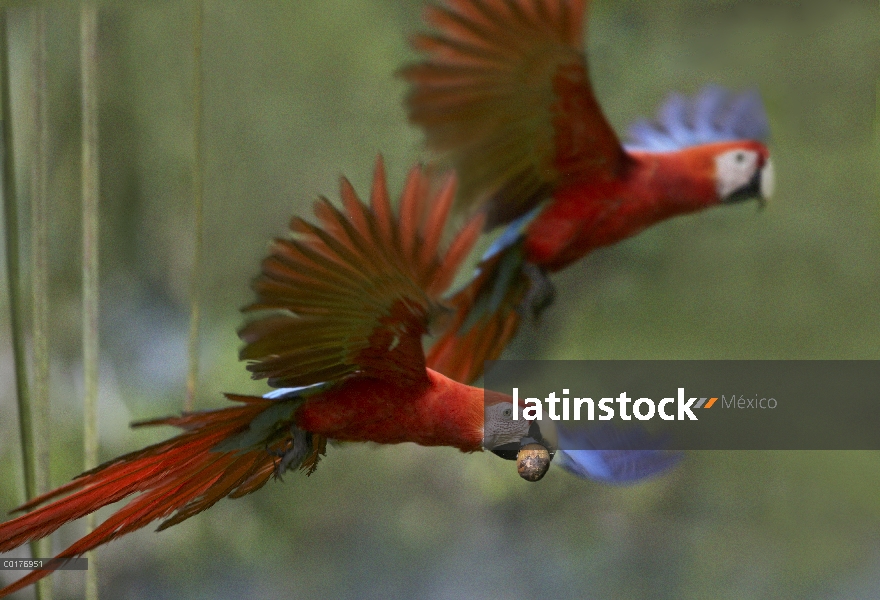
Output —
<point x="186" y="474"/>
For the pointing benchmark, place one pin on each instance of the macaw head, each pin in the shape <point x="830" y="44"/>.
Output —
<point x="516" y="439"/>
<point x="602" y="452"/>
<point x="743" y="171"/>
<point x="716" y="137"/>
<point x="500" y="429"/>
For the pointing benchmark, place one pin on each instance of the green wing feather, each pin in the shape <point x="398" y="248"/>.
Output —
<point x="355" y="292"/>
<point x="504" y="95"/>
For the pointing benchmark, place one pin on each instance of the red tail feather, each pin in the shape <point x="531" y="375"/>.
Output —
<point x="350" y="299"/>
<point x="182" y="474"/>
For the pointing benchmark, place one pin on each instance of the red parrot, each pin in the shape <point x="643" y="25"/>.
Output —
<point x="343" y="306"/>
<point x="504" y="96"/>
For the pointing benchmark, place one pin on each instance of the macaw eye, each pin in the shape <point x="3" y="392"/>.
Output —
<point x="507" y="412"/>
<point x="740" y="157"/>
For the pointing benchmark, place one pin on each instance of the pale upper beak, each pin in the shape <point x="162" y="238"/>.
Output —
<point x="768" y="180"/>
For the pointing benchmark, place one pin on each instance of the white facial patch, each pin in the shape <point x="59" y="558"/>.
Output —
<point x="734" y="170"/>
<point x="499" y="428"/>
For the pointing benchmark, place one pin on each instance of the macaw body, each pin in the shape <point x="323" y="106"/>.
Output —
<point x="342" y="308"/>
<point x="437" y="412"/>
<point x="584" y="216"/>
<point x="504" y="96"/>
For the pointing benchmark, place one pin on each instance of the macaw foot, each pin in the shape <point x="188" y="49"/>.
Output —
<point x="541" y="292"/>
<point x="292" y="458"/>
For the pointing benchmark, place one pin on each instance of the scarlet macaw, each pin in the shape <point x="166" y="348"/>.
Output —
<point x="343" y="308"/>
<point x="504" y="96"/>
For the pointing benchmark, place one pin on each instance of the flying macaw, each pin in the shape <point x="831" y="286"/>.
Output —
<point x="342" y="307"/>
<point x="504" y="96"/>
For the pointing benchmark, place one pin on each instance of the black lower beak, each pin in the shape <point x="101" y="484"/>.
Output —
<point x="750" y="191"/>
<point x="507" y="451"/>
<point x="511" y="450"/>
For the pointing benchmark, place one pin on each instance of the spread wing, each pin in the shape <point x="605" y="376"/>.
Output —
<point x="504" y="95"/>
<point x="355" y="292"/>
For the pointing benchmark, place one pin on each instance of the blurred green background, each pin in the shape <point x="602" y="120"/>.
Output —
<point x="299" y="92"/>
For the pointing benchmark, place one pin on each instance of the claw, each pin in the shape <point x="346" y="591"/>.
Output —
<point x="300" y="447"/>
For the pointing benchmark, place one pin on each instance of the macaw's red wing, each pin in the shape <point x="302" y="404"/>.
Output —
<point x="355" y="293"/>
<point x="504" y="94"/>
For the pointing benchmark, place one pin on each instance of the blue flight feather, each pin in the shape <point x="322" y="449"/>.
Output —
<point x="291" y="392"/>
<point x="513" y="233"/>
<point x="607" y="454"/>
<point x="713" y="115"/>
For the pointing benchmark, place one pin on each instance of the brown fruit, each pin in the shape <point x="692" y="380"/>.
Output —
<point x="532" y="462"/>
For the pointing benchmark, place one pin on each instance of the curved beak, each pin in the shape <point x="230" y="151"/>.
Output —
<point x="510" y="450"/>
<point x="759" y="188"/>
<point x="768" y="180"/>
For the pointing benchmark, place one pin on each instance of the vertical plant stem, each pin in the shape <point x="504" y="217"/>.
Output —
<point x="40" y="275"/>
<point x="198" y="226"/>
<point x="13" y="272"/>
<point x="877" y="114"/>
<point x="89" y="74"/>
